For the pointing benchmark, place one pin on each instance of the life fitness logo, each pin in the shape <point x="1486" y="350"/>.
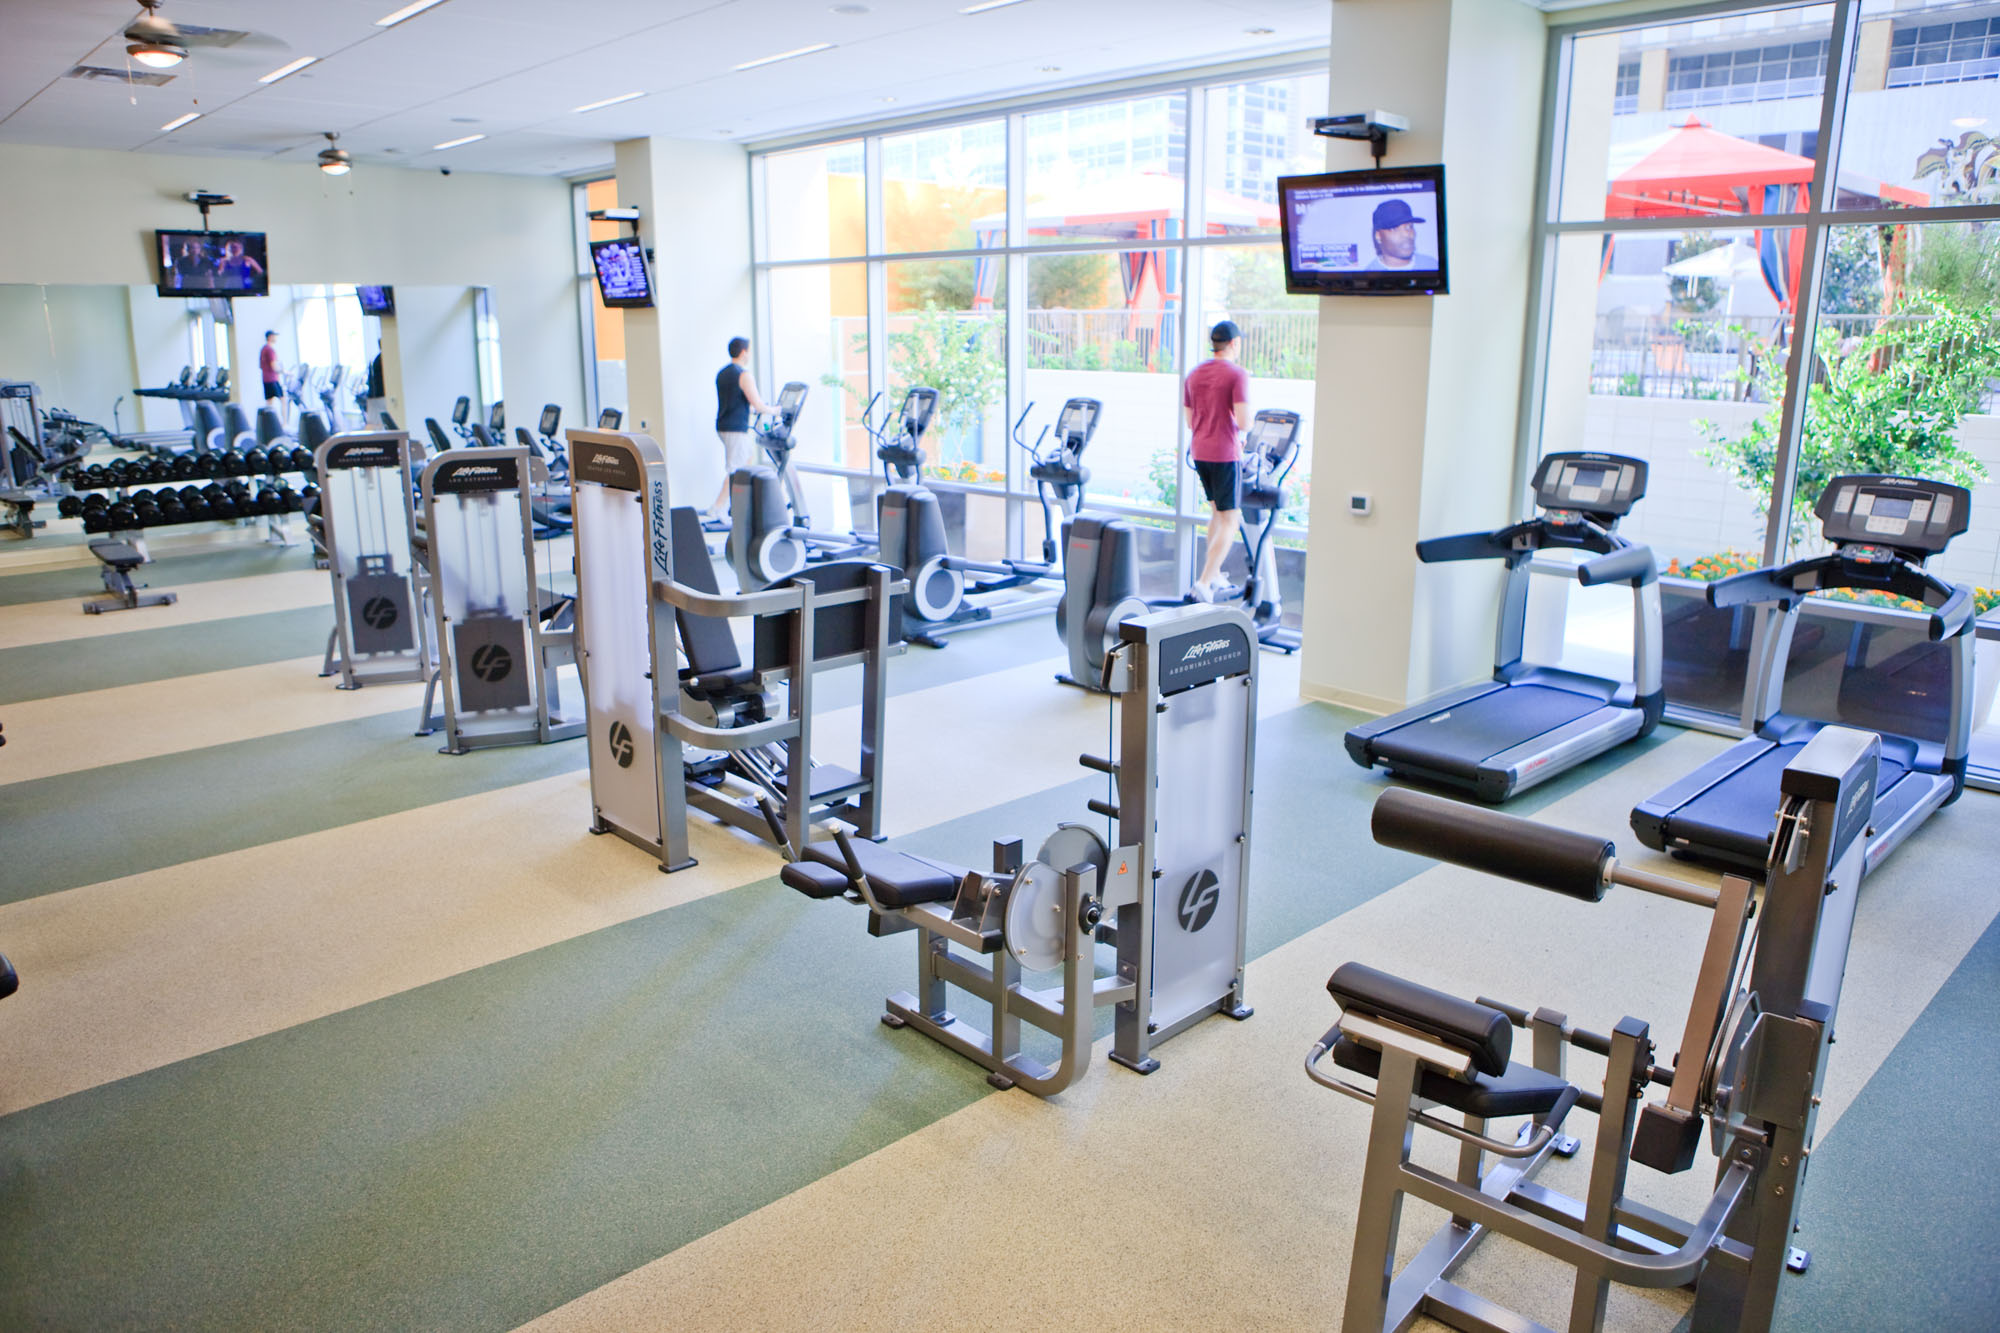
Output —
<point x="1199" y="901"/>
<point x="492" y="662"/>
<point x="662" y="550"/>
<point x="621" y="744"/>
<point x="378" y="613"/>
<point x="1201" y="650"/>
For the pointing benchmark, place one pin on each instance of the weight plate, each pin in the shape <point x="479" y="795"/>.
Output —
<point x="1075" y="845"/>
<point x="1033" y="925"/>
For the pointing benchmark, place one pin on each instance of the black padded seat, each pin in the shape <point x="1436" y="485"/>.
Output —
<point x="895" y="878"/>
<point x="1522" y="1090"/>
<point x="722" y="684"/>
<point x="121" y="556"/>
<point x="813" y="879"/>
<point x="1482" y="1033"/>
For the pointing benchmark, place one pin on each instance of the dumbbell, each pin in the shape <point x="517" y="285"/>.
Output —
<point x="95" y="520"/>
<point x="96" y="500"/>
<point x="121" y="517"/>
<point x="194" y="504"/>
<point x="97" y="475"/>
<point x="185" y="467"/>
<point x="70" y="506"/>
<point x="117" y="473"/>
<point x="302" y="460"/>
<point x="171" y="510"/>
<point x="160" y="469"/>
<point x="229" y="463"/>
<point x="256" y="462"/>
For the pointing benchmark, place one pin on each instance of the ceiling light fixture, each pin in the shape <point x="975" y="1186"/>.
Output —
<point x="456" y="143"/>
<point x="179" y="121"/>
<point x="609" y="101"/>
<point x="406" y="12"/>
<point x="292" y="68"/>
<point x="157" y="55"/>
<point x="1968" y="122"/>
<point x="333" y="159"/>
<point x="785" y="55"/>
<point x="1259" y="32"/>
<point x="985" y="5"/>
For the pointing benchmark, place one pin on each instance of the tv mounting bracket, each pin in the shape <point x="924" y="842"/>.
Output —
<point x="1374" y="126"/>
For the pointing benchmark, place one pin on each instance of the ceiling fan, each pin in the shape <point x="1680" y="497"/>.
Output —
<point x="160" y="43"/>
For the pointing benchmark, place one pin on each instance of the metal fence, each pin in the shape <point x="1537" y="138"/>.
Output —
<point x="1278" y="344"/>
<point x="1669" y="356"/>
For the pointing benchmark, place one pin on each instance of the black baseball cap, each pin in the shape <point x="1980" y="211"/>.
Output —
<point x="1225" y="332"/>
<point x="1393" y="213"/>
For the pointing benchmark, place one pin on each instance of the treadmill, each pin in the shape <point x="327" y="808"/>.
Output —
<point x="1531" y="722"/>
<point x="1919" y="700"/>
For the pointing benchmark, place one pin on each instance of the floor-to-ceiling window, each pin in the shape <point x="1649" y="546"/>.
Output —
<point x="1075" y="248"/>
<point x="1770" y="255"/>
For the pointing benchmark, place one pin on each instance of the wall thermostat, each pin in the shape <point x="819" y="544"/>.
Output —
<point x="1360" y="505"/>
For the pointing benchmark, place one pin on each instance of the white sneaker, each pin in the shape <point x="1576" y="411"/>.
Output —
<point x="1202" y="592"/>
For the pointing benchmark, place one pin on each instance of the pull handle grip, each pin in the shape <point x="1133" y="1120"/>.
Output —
<point x="1555" y="859"/>
<point x="1106" y="809"/>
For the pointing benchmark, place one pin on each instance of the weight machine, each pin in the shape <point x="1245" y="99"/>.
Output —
<point x="1171" y="897"/>
<point x="501" y="637"/>
<point x="367" y="520"/>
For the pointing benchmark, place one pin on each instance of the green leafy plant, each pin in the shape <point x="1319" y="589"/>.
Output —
<point x="1630" y="385"/>
<point x="958" y="354"/>
<point x="1887" y="402"/>
<point x="1163" y="479"/>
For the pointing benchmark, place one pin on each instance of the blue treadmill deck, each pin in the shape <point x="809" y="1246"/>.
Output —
<point x="1455" y="742"/>
<point x="1734" y="818"/>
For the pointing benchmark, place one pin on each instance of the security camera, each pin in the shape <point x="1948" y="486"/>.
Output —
<point x="444" y="171"/>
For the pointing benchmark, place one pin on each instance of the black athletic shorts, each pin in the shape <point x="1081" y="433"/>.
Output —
<point x="272" y="390"/>
<point x="1219" y="481"/>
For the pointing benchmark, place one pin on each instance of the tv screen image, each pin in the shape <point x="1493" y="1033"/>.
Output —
<point x="621" y="272"/>
<point x="1379" y="232"/>
<point x="212" y="263"/>
<point x="377" y="300"/>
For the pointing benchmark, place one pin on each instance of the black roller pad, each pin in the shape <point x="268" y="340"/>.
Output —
<point x="1519" y="849"/>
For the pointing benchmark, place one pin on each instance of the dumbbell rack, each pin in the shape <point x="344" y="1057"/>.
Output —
<point x="225" y="497"/>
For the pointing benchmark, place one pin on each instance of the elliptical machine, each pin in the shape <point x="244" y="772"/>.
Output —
<point x="1270" y="451"/>
<point x="551" y="496"/>
<point x="766" y="545"/>
<point x="913" y="535"/>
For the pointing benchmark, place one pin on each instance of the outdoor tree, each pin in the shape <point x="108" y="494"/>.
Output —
<point x="1958" y="263"/>
<point x="959" y="355"/>
<point x="1070" y="282"/>
<point x="1853" y="281"/>
<point x="1889" y="402"/>
<point x="1699" y="296"/>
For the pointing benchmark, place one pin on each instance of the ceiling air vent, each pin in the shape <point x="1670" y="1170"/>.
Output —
<point x="128" y="76"/>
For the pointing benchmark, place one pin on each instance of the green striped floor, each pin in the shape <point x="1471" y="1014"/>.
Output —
<point x="478" y="1150"/>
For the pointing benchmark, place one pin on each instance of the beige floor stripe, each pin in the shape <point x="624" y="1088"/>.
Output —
<point x="55" y="621"/>
<point x="299" y="929"/>
<point x="96" y="728"/>
<point x="1220" y="1191"/>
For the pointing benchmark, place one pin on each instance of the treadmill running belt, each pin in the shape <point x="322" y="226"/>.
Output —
<point x="1460" y="739"/>
<point x="1735" y="816"/>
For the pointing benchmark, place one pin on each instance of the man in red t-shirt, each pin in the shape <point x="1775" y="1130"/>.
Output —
<point x="267" y="364"/>
<point x="1216" y="402"/>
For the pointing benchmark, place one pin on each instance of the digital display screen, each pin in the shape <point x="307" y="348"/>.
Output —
<point x="622" y="278"/>
<point x="1362" y="232"/>
<point x="1885" y="507"/>
<point x="377" y="300"/>
<point x="212" y="263"/>
<point x="1591" y="477"/>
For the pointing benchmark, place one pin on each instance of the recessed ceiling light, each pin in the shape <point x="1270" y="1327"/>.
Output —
<point x="179" y="121"/>
<point x="292" y="68"/>
<point x="985" y="5"/>
<point x="454" y="143"/>
<point x="406" y="12"/>
<point x="848" y="11"/>
<point x="885" y="99"/>
<point x="1260" y="32"/>
<point x="609" y="101"/>
<point x="465" y="120"/>
<point x="1968" y="122"/>
<point x="786" y="55"/>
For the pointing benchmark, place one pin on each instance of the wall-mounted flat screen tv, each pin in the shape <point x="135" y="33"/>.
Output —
<point x="212" y="263"/>
<point x="622" y="277"/>
<point x="1365" y="233"/>
<point x="377" y="300"/>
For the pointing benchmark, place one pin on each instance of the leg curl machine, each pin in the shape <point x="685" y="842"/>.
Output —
<point x="1752" y="1062"/>
<point x="1171" y="897"/>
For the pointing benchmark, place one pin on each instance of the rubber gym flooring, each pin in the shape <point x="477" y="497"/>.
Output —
<point x="321" y="1029"/>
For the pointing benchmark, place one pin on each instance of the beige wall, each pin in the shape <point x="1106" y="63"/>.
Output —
<point x="74" y="343"/>
<point x="1417" y="396"/>
<point x="87" y="217"/>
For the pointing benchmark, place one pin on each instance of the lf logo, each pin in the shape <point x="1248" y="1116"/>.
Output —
<point x="621" y="744"/>
<point x="1199" y="900"/>
<point x="378" y="613"/>
<point x="491" y="662"/>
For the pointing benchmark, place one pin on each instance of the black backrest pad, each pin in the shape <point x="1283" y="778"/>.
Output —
<point x="837" y="630"/>
<point x="706" y="640"/>
<point x="1482" y="1033"/>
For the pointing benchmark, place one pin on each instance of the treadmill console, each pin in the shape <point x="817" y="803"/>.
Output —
<point x="1908" y="513"/>
<point x="1271" y="439"/>
<point x="1600" y="484"/>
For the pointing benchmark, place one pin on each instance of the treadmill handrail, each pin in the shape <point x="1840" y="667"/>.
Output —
<point x="1634" y="565"/>
<point x="1952" y="603"/>
<point x="1519" y="541"/>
